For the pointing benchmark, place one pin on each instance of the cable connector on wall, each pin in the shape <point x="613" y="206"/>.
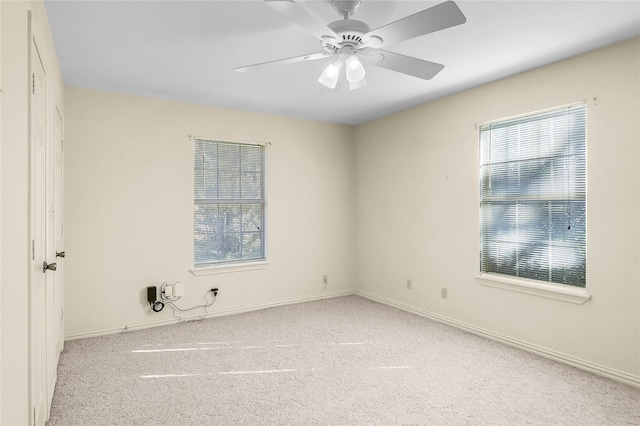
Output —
<point x="214" y="290"/>
<point x="172" y="292"/>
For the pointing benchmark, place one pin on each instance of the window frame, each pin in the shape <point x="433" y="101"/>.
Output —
<point x="214" y="267"/>
<point x="545" y="288"/>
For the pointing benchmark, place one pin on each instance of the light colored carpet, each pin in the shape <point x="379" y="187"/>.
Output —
<point x="346" y="361"/>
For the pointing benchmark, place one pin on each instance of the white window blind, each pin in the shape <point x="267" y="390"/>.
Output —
<point x="229" y="202"/>
<point x="533" y="196"/>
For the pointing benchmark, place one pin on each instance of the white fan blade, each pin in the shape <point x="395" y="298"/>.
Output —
<point x="436" y="18"/>
<point x="405" y="64"/>
<point x="311" y="57"/>
<point x="305" y="20"/>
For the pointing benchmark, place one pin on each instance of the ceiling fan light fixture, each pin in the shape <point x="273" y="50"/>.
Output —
<point x="330" y="75"/>
<point x="354" y="70"/>
<point x="353" y="85"/>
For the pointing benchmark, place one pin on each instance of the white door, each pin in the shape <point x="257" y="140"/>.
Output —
<point x="59" y="235"/>
<point x="38" y="293"/>
<point x="53" y="281"/>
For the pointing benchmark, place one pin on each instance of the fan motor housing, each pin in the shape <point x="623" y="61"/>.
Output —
<point x="351" y="32"/>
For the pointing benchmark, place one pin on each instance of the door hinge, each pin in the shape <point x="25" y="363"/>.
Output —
<point x="33" y="249"/>
<point x="61" y="146"/>
<point x="61" y="314"/>
<point x="33" y="83"/>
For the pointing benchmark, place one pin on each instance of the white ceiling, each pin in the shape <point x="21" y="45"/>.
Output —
<point x="186" y="50"/>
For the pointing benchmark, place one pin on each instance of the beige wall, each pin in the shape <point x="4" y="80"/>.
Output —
<point x="14" y="178"/>
<point x="129" y="209"/>
<point x="417" y="211"/>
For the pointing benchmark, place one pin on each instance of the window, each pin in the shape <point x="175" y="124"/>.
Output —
<point x="533" y="196"/>
<point x="229" y="202"/>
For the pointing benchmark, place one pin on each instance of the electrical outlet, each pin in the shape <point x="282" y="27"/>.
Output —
<point x="443" y="293"/>
<point x="409" y="284"/>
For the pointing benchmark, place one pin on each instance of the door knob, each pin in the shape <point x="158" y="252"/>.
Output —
<point x="49" y="266"/>
<point x="59" y="254"/>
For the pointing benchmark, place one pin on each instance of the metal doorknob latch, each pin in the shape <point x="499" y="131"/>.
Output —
<point x="59" y="254"/>
<point x="49" y="266"/>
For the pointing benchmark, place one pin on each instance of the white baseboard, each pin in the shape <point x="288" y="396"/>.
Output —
<point x="538" y="350"/>
<point x="158" y="323"/>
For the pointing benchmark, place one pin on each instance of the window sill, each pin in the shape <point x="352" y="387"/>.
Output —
<point x="561" y="292"/>
<point x="224" y="269"/>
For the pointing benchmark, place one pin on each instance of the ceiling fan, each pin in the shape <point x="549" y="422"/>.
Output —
<point x="348" y="40"/>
